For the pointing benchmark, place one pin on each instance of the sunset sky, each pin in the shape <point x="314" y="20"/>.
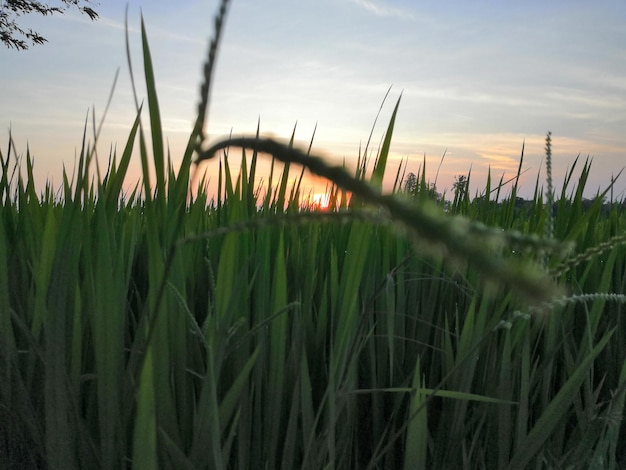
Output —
<point x="478" y="78"/>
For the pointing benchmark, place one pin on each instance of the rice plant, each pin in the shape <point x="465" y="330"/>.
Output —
<point x="164" y="328"/>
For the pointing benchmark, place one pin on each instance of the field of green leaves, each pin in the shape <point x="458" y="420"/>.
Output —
<point x="151" y="329"/>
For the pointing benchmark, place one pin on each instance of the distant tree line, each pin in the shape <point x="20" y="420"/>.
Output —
<point x="413" y="188"/>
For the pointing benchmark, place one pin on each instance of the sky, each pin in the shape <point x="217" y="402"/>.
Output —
<point x="476" y="81"/>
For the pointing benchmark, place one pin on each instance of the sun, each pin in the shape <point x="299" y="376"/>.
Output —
<point x="321" y="201"/>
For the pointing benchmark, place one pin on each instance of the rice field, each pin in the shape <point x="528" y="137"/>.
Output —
<point x="164" y="328"/>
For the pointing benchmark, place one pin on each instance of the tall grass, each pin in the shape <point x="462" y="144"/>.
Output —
<point x="158" y="330"/>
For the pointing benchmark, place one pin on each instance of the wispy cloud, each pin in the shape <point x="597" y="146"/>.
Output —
<point x="379" y="9"/>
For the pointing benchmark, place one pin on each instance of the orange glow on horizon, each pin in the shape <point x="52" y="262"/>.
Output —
<point x="321" y="201"/>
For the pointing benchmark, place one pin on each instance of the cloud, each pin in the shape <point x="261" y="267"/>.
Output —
<point x="383" y="10"/>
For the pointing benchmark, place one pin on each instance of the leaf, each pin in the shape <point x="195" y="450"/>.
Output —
<point x="381" y="164"/>
<point x="555" y="411"/>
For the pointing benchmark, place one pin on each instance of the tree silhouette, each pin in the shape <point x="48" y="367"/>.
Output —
<point x="10" y="10"/>
<point x="410" y="183"/>
<point x="460" y="185"/>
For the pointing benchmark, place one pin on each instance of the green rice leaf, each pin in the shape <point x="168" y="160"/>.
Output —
<point x="145" y="430"/>
<point x="417" y="430"/>
<point x="556" y="410"/>
<point x="114" y="185"/>
<point x="381" y="164"/>
<point x="155" y="116"/>
<point x="233" y="396"/>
